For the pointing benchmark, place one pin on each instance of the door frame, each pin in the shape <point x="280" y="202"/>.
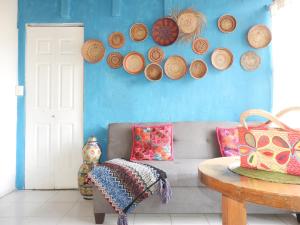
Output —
<point x="25" y="60"/>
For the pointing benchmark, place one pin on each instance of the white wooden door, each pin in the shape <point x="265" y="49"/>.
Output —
<point x="54" y="107"/>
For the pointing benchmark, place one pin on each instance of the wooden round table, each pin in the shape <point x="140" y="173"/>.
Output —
<point x="236" y="190"/>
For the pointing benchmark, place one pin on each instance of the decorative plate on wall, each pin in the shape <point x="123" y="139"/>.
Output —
<point x="175" y="67"/>
<point x="259" y="36"/>
<point x="200" y="46"/>
<point x="165" y="31"/>
<point x="222" y="58"/>
<point x="250" y="61"/>
<point x="116" y="40"/>
<point x="227" y="23"/>
<point x="198" y="69"/>
<point x="156" y="55"/>
<point x="115" y="60"/>
<point x="153" y="72"/>
<point x="134" y="63"/>
<point x="138" y="32"/>
<point x="93" y="51"/>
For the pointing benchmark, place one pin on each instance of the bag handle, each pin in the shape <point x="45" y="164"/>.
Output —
<point x="282" y="113"/>
<point x="287" y="110"/>
<point x="267" y="115"/>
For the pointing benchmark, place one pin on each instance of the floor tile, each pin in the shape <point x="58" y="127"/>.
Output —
<point x="65" y="196"/>
<point x="42" y="220"/>
<point x="20" y="209"/>
<point x="13" y="221"/>
<point x="188" y="219"/>
<point x="77" y="221"/>
<point x="288" y="219"/>
<point x="82" y="209"/>
<point x="27" y="196"/>
<point x="53" y="209"/>
<point x="151" y="219"/>
<point x="214" y="219"/>
<point x="264" y="220"/>
<point x="112" y="219"/>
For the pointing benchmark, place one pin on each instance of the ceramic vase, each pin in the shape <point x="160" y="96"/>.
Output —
<point x="91" y="153"/>
<point x="84" y="182"/>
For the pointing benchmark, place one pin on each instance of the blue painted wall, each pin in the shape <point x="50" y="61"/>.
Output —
<point x="114" y="96"/>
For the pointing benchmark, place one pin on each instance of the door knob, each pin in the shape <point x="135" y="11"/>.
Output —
<point x="53" y="116"/>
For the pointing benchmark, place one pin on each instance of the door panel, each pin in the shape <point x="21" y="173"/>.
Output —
<point x="54" y="107"/>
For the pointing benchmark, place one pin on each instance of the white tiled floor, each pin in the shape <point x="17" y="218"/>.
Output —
<point x="68" y="208"/>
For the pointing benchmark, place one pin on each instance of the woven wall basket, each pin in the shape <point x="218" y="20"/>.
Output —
<point x="153" y="72"/>
<point x="93" y="51"/>
<point x="259" y="36"/>
<point x="134" y="63"/>
<point x="116" y="40"/>
<point x="175" y="67"/>
<point x="222" y="58"/>
<point x="156" y="55"/>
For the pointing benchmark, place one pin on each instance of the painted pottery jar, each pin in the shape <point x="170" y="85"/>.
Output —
<point x="84" y="182"/>
<point x="91" y="152"/>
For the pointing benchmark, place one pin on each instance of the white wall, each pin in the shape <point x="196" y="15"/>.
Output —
<point x="8" y="80"/>
<point x="286" y="60"/>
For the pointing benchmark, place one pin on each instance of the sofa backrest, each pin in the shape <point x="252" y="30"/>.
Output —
<point x="192" y="140"/>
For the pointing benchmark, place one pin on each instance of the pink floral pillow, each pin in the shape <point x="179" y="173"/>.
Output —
<point x="152" y="142"/>
<point x="228" y="139"/>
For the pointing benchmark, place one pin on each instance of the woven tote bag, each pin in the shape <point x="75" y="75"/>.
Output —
<point x="269" y="148"/>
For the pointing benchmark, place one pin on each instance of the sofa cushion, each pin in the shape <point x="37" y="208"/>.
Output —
<point x="180" y="172"/>
<point x="152" y="142"/>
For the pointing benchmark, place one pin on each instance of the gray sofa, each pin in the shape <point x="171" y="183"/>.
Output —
<point x="194" y="142"/>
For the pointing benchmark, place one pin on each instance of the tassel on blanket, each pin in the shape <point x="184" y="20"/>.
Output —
<point x="165" y="190"/>
<point x="122" y="220"/>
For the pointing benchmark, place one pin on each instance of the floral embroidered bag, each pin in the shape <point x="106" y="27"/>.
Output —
<point x="266" y="148"/>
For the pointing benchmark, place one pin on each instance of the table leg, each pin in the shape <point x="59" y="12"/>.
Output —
<point x="298" y="217"/>
<point x="234" y="212"/>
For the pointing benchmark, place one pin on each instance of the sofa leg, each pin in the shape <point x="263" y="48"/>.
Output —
<point x="99" y="218"/>
<point x="298" y="217"/>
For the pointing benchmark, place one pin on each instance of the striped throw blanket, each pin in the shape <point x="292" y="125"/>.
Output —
<point x="125" y="184"/>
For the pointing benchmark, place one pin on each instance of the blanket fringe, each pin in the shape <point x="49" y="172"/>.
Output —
<point x="122" y="220"/>
<point x="165" y="190"/>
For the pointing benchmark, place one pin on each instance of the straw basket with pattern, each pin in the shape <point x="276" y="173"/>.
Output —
<point x="259" y="36"/>
<point x="93" y="51"/>
<point x="175" y="67"/>
<point x="153" y="72"/>
<point x="190" y="23"/>
<point x="222" y="58"/>
<point x="198" y="69"/>
<point x="134" y="63"/>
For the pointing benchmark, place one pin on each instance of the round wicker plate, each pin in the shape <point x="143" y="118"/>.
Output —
<point x="259" y="36"/>
<point x="250" y="61"/>
<point x="175" y="67"/>
<point x="187" y="22"/>
<point x="138" y="32"/>
<point x="222" y="58"/>
<point x="156" y="55"/>
<point x="200" y="46"/>
<point x="134" y="63"/>
<point x="93" y="51"/>
<point x="165" y="31"/>
<point x="115" y="60"/>
<point x="153" y="72"/>
<point x="198" y="69"/>
<point x="116" y="40"/>
<point x="227" y="24"/>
